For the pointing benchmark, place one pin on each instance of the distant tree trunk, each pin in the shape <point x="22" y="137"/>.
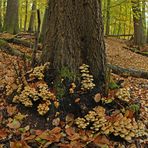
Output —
<point x="32" y="18"/>
<point x="108" y="18"/>
<point x="75" y="36"/>
<point x="144" y="17"/>
<point x="1" y="26"/>
<point x="26" y="14"/>
<point x="11" y="19"/>
<point x="44" y="26"/>
<point x="139" y="38"/>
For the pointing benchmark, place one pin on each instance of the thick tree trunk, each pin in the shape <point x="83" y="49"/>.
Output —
<point x="75" y="36"/>
<point x="11" y="19"/>
<point x="32" y="18"/>
<point x="139" y="38"/>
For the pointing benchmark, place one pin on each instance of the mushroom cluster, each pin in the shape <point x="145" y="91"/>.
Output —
<point x="87" y="79"/>
<point x="38" y="72"/>
<point x="118" y="124"/>
<point x="81" y="123"/>
<point x="43" y="108"/>
<point x="31" y="94"/>
<point x="123" y="94"/>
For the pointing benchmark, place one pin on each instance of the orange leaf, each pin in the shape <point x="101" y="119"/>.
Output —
<point x="11" y="110"/>
<point x="101" y="139"/>
<point x="3" y="134"/>
<point x="56" y="130"/>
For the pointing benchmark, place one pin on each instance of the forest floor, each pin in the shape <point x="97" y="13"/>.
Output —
<point x="24" y="128"/>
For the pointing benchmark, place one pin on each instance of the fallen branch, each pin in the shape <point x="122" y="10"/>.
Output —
<point x="4" y="46"/>
<point x="128" y="72"/>
<point x="21" y="42"/>
<point x="137" y="51"/>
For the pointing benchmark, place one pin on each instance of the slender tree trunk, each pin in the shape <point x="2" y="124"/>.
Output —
<point x="26" y="14"/>
<point x="44" y="26"/>
<point x="108" y="18"/>
<point x="139" y="38"/>
<point x="32" y="18"/>
<point x="75" y="36"/>
<point x="11" y="19"/>
<point x="1" y="26"/>
<point x="144" y="17"/>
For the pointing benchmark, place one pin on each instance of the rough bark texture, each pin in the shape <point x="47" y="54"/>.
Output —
<point x="75" y="36"/>
<point x="139" y="38"/>
<point x="32" y="18"/>
<point x="11" y="20"/>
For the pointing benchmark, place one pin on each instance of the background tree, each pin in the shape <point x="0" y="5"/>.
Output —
<point x="32" y="18"/>
<point x="11" y="19"/>
<point x="139" y="38"/>
<point x="108" y="18"/>
<point x="1" y="16"/>
<point x="75" y="36"/>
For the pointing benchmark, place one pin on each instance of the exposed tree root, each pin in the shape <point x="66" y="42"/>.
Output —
<point x="128" y="72"/>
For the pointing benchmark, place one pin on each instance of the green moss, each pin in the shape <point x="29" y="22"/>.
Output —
<point x="3" y="43"/>
<point x="113" y="85"/>
<point x="134" y="107"/>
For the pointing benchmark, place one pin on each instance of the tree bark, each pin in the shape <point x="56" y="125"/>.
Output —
<point x="75" y="36"/>
<point x="1" y="26"/>
<point x="108" y="18"/>
<point x="32" y="18"/>
<point x="44" y="26"/>
<point x="11" y="19"/>
<point x="139" y="38"/>
<point x="26" y="14"/>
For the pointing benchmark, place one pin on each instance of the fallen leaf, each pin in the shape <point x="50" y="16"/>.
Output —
<point x="101" y="139"/>
<point x="11" y="110"/>
<point x="19" y="144"/>
<point x="14" y="124"/>
<point x="72" y="135"/>
<point x="70" y="119"/>
<point x="3" y="134"/>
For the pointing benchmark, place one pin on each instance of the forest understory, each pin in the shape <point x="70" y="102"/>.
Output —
<point x="22" y="127"/>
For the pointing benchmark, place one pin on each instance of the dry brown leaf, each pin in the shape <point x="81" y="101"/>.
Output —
<point x="101" y="139"/>
<point x="14" y="124"/>
<point x="19" y="144"/>
<point x="3" y="133"/>
<point x="70" y="119"/>
<point x="11" y="110"/>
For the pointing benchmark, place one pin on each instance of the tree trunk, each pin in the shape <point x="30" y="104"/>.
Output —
<point x="44" y="26"/>
<point x="26" y="14"/>
<point x="75" y="36"/>
<point x="32" y="18"/>
<point x="139" y="38"/>
<point x="1" y="16"/>
<point x="108" y="18"/>
<point x="11" y="19"/>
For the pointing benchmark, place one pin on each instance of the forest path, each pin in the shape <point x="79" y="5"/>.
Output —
<point x="118" y="55"/>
